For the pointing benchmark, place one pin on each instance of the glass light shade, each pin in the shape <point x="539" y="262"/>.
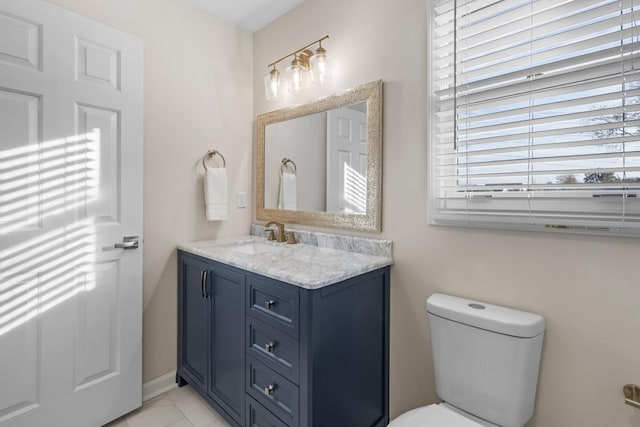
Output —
<point x="296" y="73"/>
<point x="321" y="70"/>
<point x="272" y="85"/>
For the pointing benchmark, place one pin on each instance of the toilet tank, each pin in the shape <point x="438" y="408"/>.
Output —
<point x="485" y="358"/>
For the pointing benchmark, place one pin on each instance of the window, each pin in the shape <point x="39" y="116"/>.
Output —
<point x="536" y="114"/>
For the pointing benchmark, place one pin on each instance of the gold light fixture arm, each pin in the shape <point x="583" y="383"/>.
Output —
<point x="273" y="64"/>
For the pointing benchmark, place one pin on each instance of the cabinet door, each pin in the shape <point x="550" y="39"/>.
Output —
<point x="193" y="315"/>
<point x="226" y="372"/>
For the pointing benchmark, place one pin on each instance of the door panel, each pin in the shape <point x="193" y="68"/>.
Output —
<point x="19" y="133"/>
<point x="22" y="373"/>
<point x="102" y="126"/>
<point x="70" y="188"/>
<point x="97" y="64"/>
<point x="20" y="41"/>
<point x="97" y="326"/>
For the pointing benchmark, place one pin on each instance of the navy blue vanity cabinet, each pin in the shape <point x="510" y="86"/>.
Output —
<point x="211" y="334"/>
<point x="265" y="353"/>
<point x="318" y="357"/>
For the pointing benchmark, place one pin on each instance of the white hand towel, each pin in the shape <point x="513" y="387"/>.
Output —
<point x="288" y="192"/>
<point x="216" y="194"/>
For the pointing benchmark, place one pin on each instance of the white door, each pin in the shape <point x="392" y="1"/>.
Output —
<point x="70" y="188"/>
<point x="347" y="160"/>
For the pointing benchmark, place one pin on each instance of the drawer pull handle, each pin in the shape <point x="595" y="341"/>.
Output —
<point x="270" y="389"/>
<point x="270" y="303"/>
<point x="270" y="346"/>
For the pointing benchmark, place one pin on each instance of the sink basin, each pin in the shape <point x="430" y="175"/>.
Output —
<point x="251" y="247"/>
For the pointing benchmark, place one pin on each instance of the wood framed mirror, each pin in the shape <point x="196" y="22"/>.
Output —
<point x="320" y="164"/>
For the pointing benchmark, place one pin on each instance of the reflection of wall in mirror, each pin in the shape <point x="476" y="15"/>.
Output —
<point x="303" y="141"/>
<point x="347" y="159"/>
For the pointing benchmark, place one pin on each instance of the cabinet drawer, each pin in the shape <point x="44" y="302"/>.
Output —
<point x="258" y="416"/>
<point x="274" y="348"/>
<point x="277" y="394"/>
<point x="275" y="304"/>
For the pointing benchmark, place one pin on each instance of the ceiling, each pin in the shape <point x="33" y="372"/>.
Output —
<point x="248" y="14"/>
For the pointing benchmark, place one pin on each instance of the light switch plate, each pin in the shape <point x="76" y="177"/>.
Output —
<point x="241" y="200"/>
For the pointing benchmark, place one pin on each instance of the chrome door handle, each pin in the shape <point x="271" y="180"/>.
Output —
<point x="129" y="242"/>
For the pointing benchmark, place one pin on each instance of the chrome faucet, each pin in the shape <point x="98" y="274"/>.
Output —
<point x="280" y="237"/>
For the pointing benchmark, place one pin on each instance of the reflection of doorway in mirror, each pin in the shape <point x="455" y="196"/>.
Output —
<point x="347" y="160"/>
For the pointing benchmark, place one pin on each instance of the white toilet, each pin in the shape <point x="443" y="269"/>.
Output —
<point x="486" y="361"/>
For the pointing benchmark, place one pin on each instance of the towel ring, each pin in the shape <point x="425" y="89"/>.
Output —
<point x="210" y="154"/>
<point x="286" y="161"/>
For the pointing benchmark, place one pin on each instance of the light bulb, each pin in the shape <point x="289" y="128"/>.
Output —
<point x="296" y="75"/>
<point x="272" y="84"/>
<point x="320" y="66"/>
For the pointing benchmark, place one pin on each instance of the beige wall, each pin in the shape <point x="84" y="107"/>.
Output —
<point x="587" y="288"/>
<point x="197" y="95"/>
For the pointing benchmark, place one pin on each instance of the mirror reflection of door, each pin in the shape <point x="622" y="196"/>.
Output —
<point x="347" y="159"/>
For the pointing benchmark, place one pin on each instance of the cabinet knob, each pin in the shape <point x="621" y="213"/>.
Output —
<point x="270" y="389"/>
<point x="270" y="303"/>
<point x="270" y="346"/>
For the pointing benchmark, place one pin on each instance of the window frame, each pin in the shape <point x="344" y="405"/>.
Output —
<point x="520" y="219"/>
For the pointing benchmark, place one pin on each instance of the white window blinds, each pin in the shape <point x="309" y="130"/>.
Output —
<point x="536" y="114"/>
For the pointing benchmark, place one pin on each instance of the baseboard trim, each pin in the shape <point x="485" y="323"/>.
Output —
<point x="157" y="386"/>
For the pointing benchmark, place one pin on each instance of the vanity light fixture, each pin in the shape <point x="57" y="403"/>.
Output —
<point x="304" y="61"/>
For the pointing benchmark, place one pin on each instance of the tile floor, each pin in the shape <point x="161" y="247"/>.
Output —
<point x="180" y="407"/>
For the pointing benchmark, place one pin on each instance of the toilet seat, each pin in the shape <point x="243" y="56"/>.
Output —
<point x="440" y="415"/>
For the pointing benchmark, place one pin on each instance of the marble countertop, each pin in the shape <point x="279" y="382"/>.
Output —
<point x="302" y="264"/>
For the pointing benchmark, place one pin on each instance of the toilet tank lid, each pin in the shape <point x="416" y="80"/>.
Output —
<point x="490" y="317"/>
